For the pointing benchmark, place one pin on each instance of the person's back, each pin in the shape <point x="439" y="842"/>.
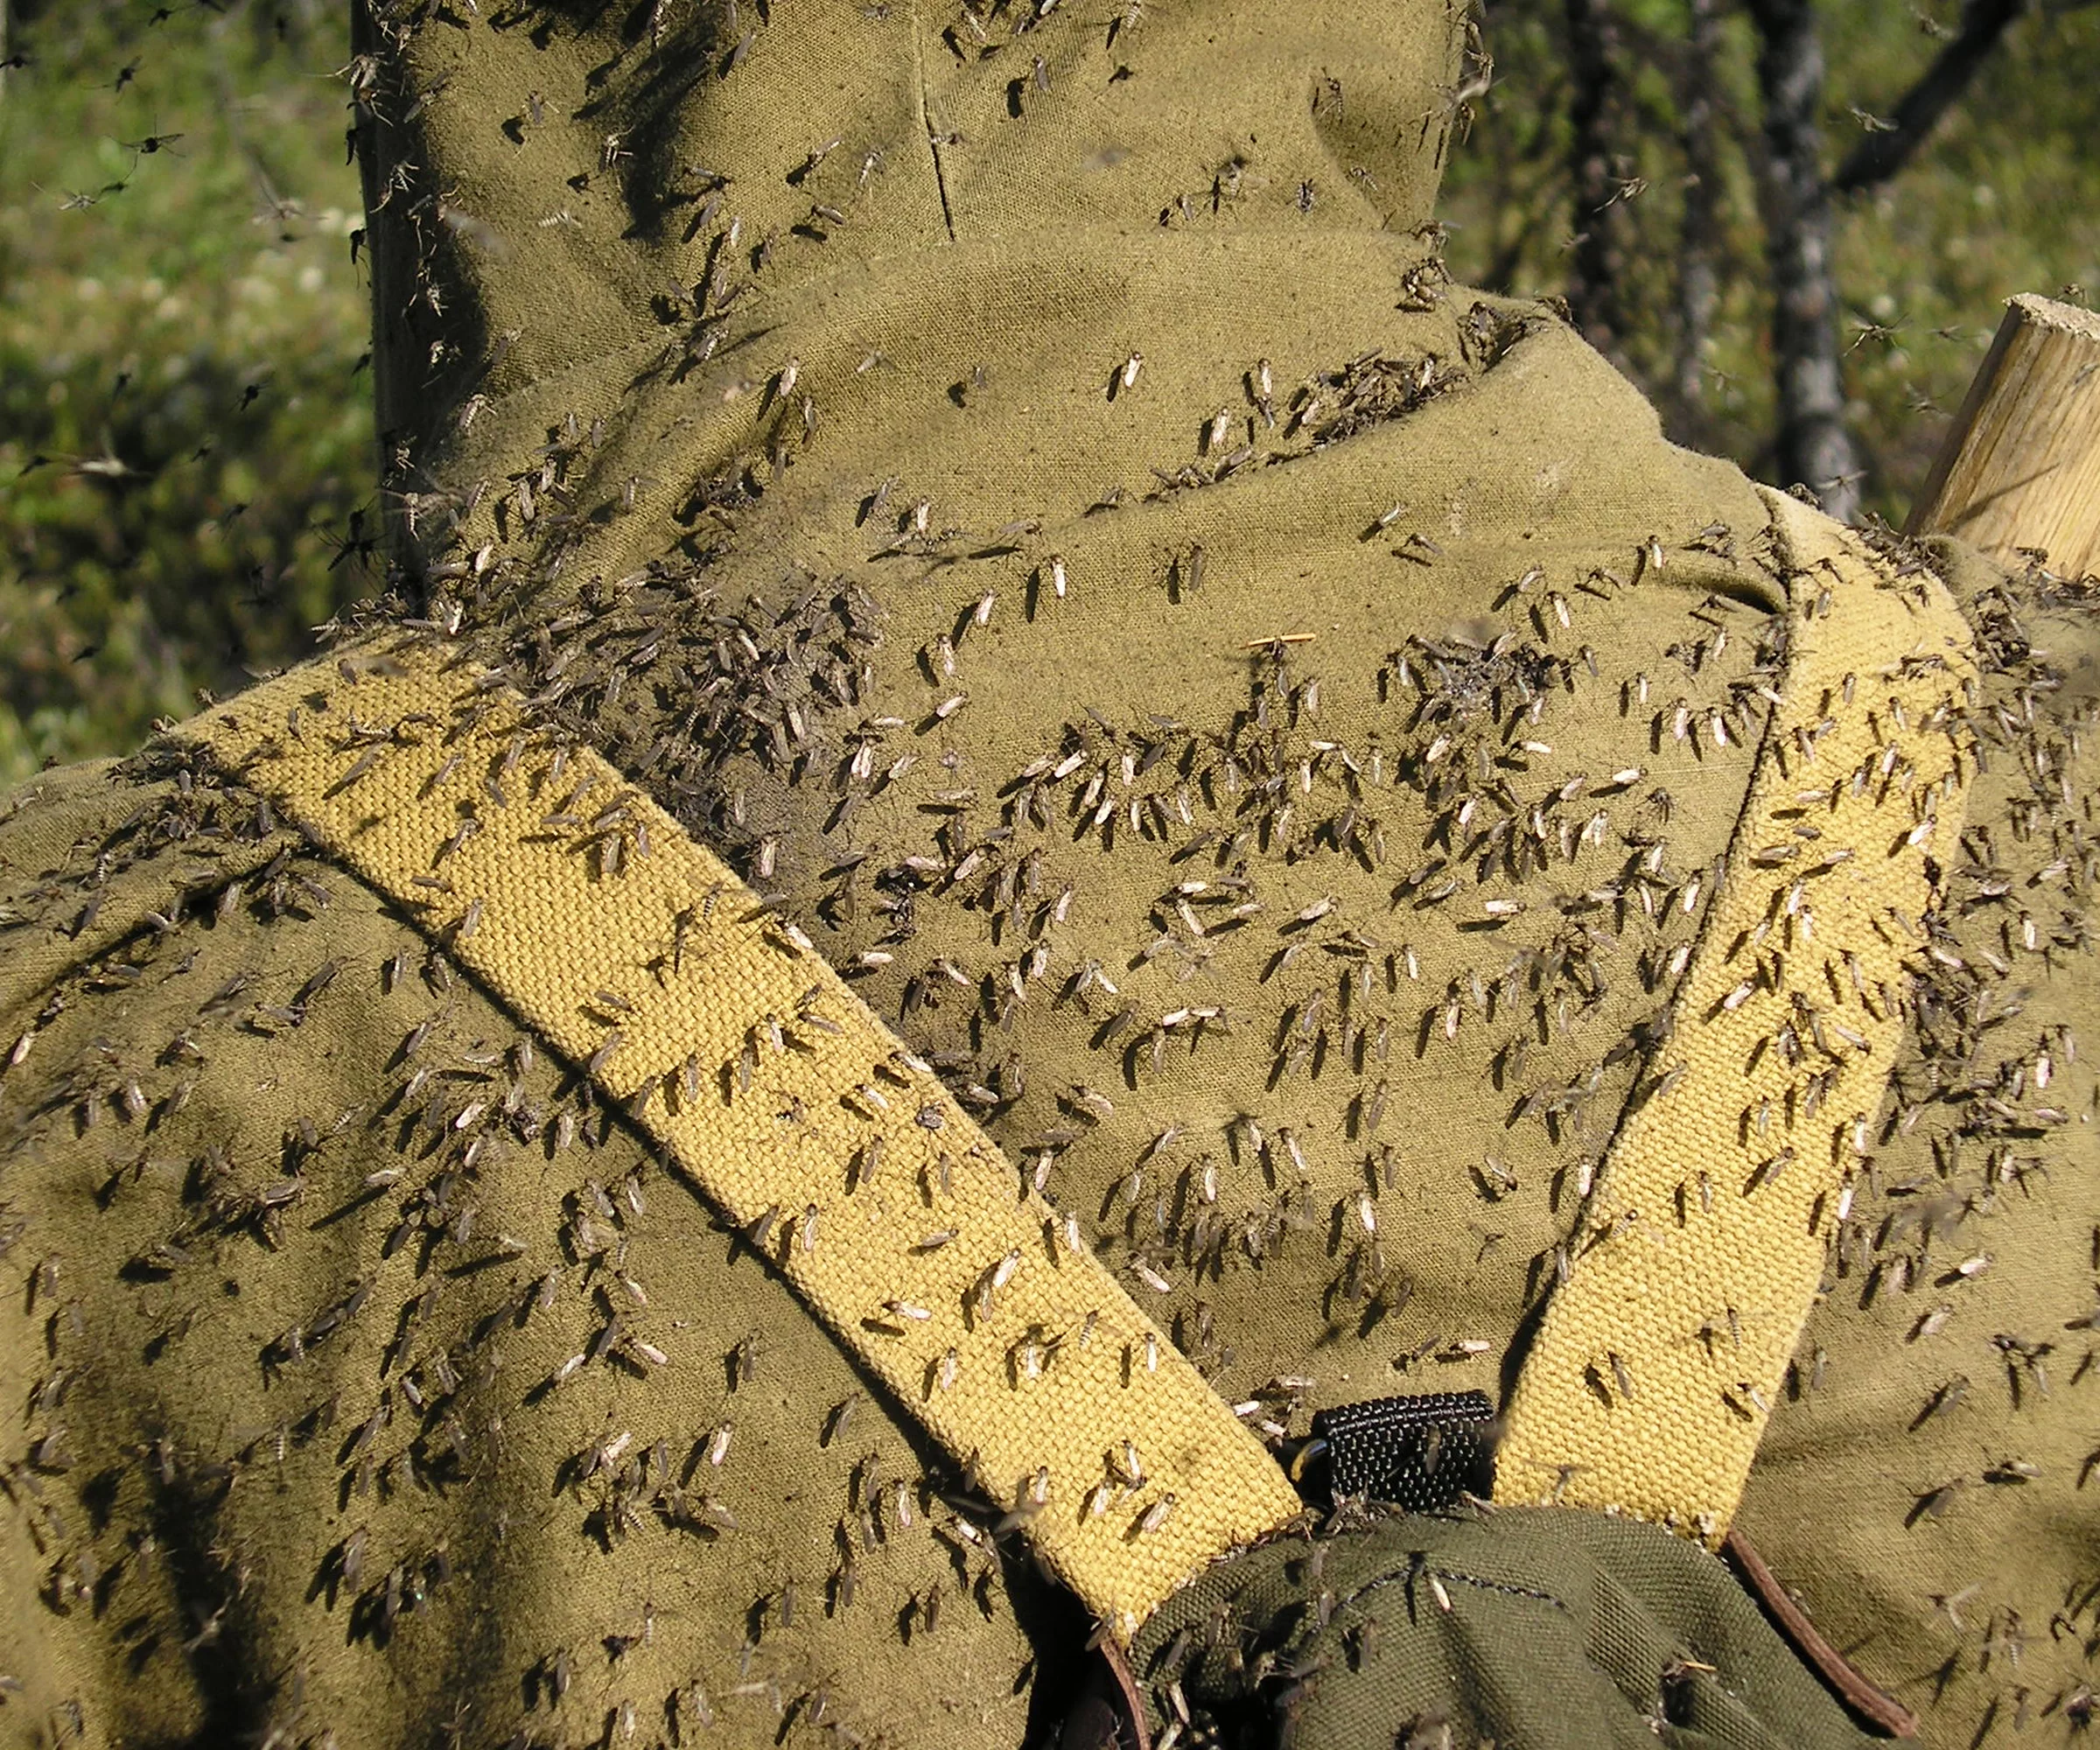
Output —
<point x="1274" y="732"/>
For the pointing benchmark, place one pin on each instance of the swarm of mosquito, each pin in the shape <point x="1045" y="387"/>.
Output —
<point x="1344" y="874"/>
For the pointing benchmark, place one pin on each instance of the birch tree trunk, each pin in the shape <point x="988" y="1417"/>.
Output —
<point x="1698" y="281"/>
<point x="1597" y="264"/>
<point x="1815" y="448"/>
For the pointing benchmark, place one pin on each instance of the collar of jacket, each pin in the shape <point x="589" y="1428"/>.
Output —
<point x="551" y="185"/>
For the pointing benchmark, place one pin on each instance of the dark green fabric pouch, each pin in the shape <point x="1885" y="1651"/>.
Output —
<point x="1548" y="1629"/>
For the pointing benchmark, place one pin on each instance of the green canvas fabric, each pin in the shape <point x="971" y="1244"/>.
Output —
<point x="831" y="533"/>
<point x="1538" y="1626"/>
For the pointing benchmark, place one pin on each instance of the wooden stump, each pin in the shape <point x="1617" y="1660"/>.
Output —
<point x="2020" y="468"/>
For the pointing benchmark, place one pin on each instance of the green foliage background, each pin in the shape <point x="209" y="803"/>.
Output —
<point x="186" y="444"/>
<point x="184" y="427"/>
<point x="2005" y="198"/>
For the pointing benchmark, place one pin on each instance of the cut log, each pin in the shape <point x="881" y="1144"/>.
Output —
<point x="2020" y="468"/>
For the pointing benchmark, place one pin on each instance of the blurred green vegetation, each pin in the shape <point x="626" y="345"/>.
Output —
<point x="186" y="446"/>
<point x="2005" y="198"/>
<point x="186" y="429"/>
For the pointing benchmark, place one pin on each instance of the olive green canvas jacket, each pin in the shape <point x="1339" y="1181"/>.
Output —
<point x="1262" y="723"/>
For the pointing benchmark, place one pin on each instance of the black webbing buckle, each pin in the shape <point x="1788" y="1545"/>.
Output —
<point x="1421" y="1452"/>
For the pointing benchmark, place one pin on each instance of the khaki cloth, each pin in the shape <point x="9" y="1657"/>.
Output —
<point x="903" y="453"/>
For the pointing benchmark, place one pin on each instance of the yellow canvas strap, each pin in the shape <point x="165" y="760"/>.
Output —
<point x="727" y="1037"/>
<point x="1702" y="1249"/>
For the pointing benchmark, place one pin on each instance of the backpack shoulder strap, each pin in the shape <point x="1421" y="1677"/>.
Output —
<point x="1702" y="1251"/>
<point x="638" y="954"/>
